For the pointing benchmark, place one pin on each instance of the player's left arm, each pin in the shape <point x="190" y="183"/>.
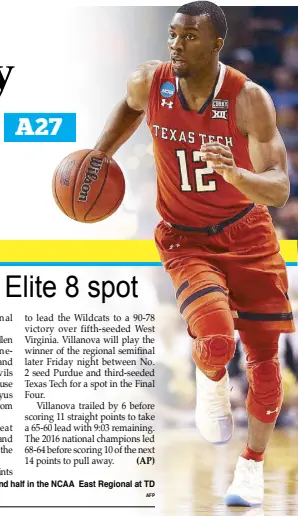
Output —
<point x="255" y="118"/>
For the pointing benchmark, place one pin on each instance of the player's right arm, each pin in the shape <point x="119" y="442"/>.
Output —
<point x="129" y="113"/>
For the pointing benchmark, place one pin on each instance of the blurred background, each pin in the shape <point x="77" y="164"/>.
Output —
<point x="262" y="43"/>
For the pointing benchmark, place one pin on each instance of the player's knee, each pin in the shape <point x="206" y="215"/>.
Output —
<point x="213" y="352"/>
<point x="265" y="383"/>
<point x="215" y="318"/>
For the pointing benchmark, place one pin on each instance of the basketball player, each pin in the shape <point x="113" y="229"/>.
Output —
<point x="220" y="162"/>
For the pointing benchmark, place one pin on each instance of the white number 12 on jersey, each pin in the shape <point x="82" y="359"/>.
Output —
<point x="185" y="185"/>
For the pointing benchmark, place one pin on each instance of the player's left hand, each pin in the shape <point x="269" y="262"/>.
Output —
<point x="221" y="159"/>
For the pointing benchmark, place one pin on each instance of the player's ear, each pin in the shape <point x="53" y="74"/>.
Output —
<point x="218" y="44"/>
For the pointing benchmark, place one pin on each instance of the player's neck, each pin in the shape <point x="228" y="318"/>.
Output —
<point x="203" y="83"/>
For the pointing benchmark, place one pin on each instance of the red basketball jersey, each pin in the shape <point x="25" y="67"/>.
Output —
<point x="189" y="192"/>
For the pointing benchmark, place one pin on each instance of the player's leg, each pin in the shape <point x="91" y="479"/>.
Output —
<point x="265" y="388"/>
<point x="202" y="298"/>
<point x="203" y="303"/>
<point x="258" y="293"/>
<point x="213" y="347"/>
<point x="264" y="401"/>
<point x="212" y="328"/>
<point x="210" y="322"/>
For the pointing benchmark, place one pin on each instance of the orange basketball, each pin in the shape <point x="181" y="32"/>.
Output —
<point x="88" y="186"/>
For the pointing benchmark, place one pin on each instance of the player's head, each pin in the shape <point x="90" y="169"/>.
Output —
<point x="196" y="36"/>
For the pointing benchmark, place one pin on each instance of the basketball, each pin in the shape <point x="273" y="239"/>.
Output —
<point x="88" y="186"/>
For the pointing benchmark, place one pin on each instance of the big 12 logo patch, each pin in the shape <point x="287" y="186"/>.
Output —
<point x="4" y="79"/>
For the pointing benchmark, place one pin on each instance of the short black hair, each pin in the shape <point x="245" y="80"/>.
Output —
<point x="215" y="13"/>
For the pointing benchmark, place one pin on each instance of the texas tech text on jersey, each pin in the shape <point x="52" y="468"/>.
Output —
<point x="189" y="137"/>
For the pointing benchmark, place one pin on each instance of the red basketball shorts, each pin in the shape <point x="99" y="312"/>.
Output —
<point x="240" y="265"/>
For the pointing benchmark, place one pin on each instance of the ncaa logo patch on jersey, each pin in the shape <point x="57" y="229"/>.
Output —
<point x="167" y="90"/>
<point x="220" y="109"/>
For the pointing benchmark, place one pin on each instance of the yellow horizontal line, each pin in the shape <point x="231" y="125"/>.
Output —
<point x="96" y="251"/>
<point x="78" y="251"/>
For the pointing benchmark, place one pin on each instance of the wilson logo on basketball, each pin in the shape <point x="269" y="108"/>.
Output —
<point x="91" y="175"/>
